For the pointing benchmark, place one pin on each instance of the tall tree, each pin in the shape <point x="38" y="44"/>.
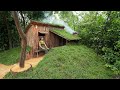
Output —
<point x="7" y="27"/>
<point x="23" y="39"/>
<point x="72" y="21"/>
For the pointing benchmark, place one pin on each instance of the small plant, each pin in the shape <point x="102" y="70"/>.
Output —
<point x="117" y="46"/>
<point x="115" y="69"/>
<point x="108" y="65"/>
<point x="109" y="55"/>
<point x="117" y="65"/>
<point x="28" y="48"/>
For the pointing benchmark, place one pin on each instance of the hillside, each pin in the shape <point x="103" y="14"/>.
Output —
<point x="11" y="56"/>
<point x="68" y="62"/>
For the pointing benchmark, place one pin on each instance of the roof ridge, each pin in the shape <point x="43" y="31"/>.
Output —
<point x="47" y="23"/>
<point x="43" y="24"/>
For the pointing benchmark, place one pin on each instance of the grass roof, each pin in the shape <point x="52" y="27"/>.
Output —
<point x="66" y="35"/>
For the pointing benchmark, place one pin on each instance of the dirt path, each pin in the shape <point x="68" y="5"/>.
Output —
<point x="4" y="69"/>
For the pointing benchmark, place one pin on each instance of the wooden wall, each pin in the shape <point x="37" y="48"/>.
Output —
<point x="51" y="39"/>
<point x="32" y="38"/>
<point x="56" y="41"/>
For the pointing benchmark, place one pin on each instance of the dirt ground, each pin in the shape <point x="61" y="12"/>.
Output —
<point x="4" y="69"/>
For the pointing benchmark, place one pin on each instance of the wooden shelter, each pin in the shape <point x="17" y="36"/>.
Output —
<point x="54" y="35"/>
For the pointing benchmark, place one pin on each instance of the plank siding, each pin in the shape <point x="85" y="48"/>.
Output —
<point x="51" y="39"/>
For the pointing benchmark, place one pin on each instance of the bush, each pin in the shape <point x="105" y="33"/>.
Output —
<point x="103" y="35"/>
<point x="115" y="68"/>
<point x="109" y="55"/>
<point x="117" y="65"/>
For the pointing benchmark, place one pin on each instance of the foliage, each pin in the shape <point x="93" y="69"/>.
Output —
<point x="28" y="48"/>
<point x="110" y="56"/>
<point x="26" y="16"/>
<point x="117" y="65"/>
<point x="67" y="62"/>
<point x="100" y="30"/>
<point x="8" y="34"/>
<point x="115" y="70"/>
<point x="72" y="21"/>
<point x="35" y="15"/>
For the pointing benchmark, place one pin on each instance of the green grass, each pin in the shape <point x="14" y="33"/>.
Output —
<point x="68" y="62"/>
<point x="11" y="56"/>
<point x="65" y="34"/>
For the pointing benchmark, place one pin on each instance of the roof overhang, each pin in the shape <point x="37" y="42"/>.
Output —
<point x="32" y="22"/>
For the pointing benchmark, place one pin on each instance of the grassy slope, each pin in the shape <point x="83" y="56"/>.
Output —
<point x="11" y="56"/>
<point x="68" y="62"/>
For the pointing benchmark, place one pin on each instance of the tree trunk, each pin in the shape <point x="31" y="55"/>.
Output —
<point x="23" y="39"/>
<point x="23" y="52"/>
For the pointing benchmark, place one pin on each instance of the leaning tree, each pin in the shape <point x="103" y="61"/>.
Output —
<point x="23" y="39"/>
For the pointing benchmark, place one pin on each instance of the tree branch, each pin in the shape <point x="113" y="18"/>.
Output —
<point x="21" y="13"/>
<point x="15" y="16"/>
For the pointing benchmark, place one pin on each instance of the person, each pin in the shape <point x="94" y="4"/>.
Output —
<point x="43" y="45"/>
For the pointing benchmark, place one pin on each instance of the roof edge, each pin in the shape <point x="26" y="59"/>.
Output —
<point x="46" y="24"/>
<point x="33" y="22"/>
